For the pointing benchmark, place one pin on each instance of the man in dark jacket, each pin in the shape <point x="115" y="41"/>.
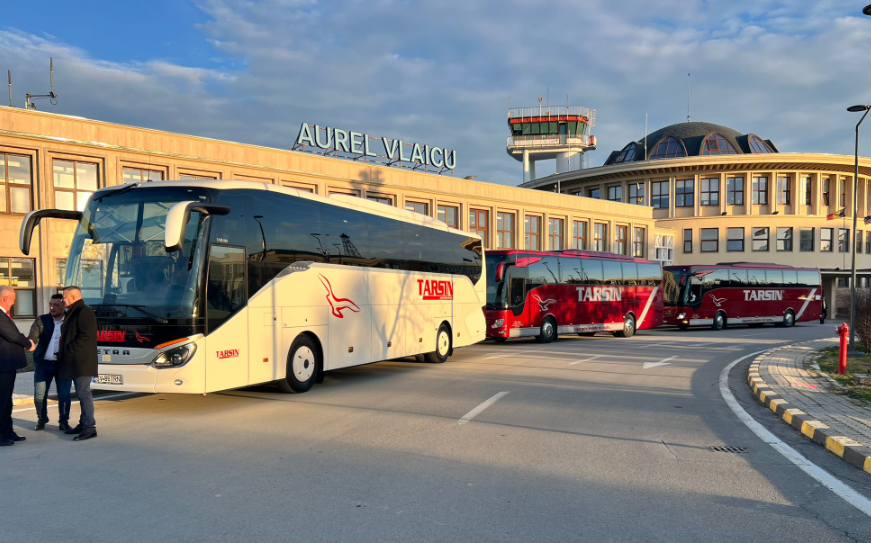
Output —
<point x="77" y="358"/>
<point x="12" y="358"/>
<point x="46" y="332"/>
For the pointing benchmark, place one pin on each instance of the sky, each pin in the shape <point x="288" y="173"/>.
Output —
<point x="444" y="73"/>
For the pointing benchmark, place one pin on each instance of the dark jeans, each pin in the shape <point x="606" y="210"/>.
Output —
<point x="45" y="372"/>
<point x="7" y="385"/>
<point x="86" y="401"/>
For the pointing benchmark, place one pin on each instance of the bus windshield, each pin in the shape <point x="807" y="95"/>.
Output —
<point x="119" y="261"/>
<point x="496" y="291"/>
<point x="673" y="287"/>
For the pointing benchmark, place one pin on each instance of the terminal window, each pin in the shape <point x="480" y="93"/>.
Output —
<point x="532" y="233"/>
<point x="659" y="194"/>
<point x="735" y="240"/>
<point x="784" y="239"/>
<point x="760" y="190"/>
<point x="760" y="239"/>
<point x="843" y="240"/>
<point x="710" y="240"/>
<point x="556" y="234"/>
<point x="710" y="193"/>
<point x="140" y="175"/>
<point x="449" y="215"/>
<point x="418" y="207"/>
<point x="615" y="193"/>
<point x="826" y="235"/>
<point x="505" y="230"/>
<point x="17" y="179"/>
<point x="74" y="182"/>
<point x="684" y="193"/>
<point x="600" y="236"/>
<point x="479" y="220"/>
<point x="620" y="239"/>
<point x="18" y="274"/>
<point x="735" y="191"/>
<point x="636" y="193"/>
<point x="579" y="233"/>
<point x="806" y="243"/>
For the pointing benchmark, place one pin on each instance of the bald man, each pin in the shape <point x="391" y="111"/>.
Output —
<point x="12" y="358"/>
<point x="77" y="358"/>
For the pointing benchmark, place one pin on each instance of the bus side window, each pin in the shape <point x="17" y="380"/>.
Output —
<point x="738" y="278"/>
<point x="774" y="278"/>
<point x="696" y="285"/>
<point x="613" y="272"/>
<point x="630" y="273"/>
<point x="592" y="269"/>
<point x="755" y="278"/>
<point x="809" y="278"/>
<point x="571" y="270"/>
<point x="649" y="274"/>
<point x="225" y="289"/>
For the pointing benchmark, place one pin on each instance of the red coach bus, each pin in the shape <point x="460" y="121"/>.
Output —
<point x="741" y="292"/>
<point x="544" y="294"/>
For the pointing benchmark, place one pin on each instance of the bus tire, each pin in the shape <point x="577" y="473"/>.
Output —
<point x="547" y="333"/>
<point x="500" y="339"/>
<point x="303" y="366"/>
<point x="628" y="327"/>
<point x="789" y="319"/>
<point x="683" y="326"/>
<point x="586" y="334"/>
<point x="719" y="321"/>
<point x="443" y="346"/>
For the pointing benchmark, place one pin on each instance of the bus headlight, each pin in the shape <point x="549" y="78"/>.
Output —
<point x="681" y="316"/>
<point x="498" y="323"/>
<point x="175" y="357"/>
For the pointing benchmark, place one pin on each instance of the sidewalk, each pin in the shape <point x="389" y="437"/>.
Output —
<point x="22" y="394"/>
<point x="807" y="400"/>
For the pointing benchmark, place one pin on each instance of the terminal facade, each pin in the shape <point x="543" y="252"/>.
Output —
<point x="730" y="197"/>
<point x="57" y="161"/>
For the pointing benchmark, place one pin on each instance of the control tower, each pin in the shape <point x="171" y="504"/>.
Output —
<point x="550" y="132"/>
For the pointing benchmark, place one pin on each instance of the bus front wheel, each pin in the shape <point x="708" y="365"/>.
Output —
<point x="443" y="346"/>
<point x="719" y="321"/>
<point x="628" y="327"/>
<point x="789" y="319"/>
<point x="547" y="332"/>
<point x="303" y="365"/>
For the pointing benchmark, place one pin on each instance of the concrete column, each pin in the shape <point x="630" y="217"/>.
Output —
<point x="532" y="169"/>
<point x="773" y="192"/>
<point x="527" y="174"/>
<point x="722" y="193"/>
<point x="647" y="200"/>
<point x="697" y="190"/>
<point x="671" y="186"/>
<point x="624" y="191"/>
<point x="817" y="196"/>
<point x="748" y="193"/>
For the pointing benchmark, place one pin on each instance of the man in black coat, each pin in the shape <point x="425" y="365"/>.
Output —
<point x="12" y="358"/>
<point x="45" y="331"/>
<point x="77" y="358"/>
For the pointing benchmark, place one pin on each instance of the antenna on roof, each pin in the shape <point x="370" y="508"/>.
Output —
<point x="645" y="136"/>
<point x="52" y="96"/>
<point x="689" y="95"/>
<point x="9" y="74"/>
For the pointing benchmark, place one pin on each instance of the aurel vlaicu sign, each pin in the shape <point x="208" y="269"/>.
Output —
<point x="361" y="145"/>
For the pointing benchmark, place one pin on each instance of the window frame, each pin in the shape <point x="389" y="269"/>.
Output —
<point x="785" y="239"/>
<point x="583" y="237"/>
<point x="843" y="240"/>
<point x="729" y="239"/>
<point x="827" y="191"/>
<point x="503" y="234"/>
<point x="754" y="239"/>
<point x="615" y="193"/>
<point x="711" y="193"/>
<point x="808" y="189"/>
<point x="686" y="198"/>
<point x="380" y="198"/>
<point x="558" y="236"/>
<point x="801" y="240"/>
<point x="638" y="197"/>
<point x="141" y="171"/>
<point x="639" y="244"/>
<point x="658" y="198"/>
<point x="715" y="240"/>
<point x="688" y="238"/>
<point x="476" y="229"/>
<point x="830" y="240"/>
<point x="734" y="194"/>
<point x="442" y="209"/>
<point x="19" y="291"/>
<point x="8" y="185"/>
<point x="784" y="191"/>
<point x="529" y="235"/>
<point x="600" y="244"/>
<point x="414" y="204"/>
<point x="97" y="164"/>
<point x="760" y="194"/>
<point x="621" y="239"/>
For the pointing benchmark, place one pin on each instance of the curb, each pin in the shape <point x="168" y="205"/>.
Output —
<point x="28" y="400"/>
<point x="847" y="448"/>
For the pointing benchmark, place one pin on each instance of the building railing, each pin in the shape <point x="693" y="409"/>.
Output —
<point x="552" y="111"/>
<point x="530" y="142"/>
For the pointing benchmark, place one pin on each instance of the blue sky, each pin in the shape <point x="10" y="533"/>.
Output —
<point x="443" y="72"/>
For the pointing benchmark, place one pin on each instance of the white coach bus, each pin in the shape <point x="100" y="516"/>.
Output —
<point x="207" y="286"/>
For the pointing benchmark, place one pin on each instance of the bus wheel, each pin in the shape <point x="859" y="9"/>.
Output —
<point x="719" y="321"/>
<point x="443" y="346"/>
<point x="789" y="319"/>
<point x="586" y="334"/>
<point x="683" y="326"/>
<point x="500" y="339"/>
<point x="303" y="365"/>
<point x="547" y="332"/>
<point x="628" y="327"/>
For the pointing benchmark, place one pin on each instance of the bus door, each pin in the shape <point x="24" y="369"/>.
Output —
<point x="517" y="295"/>
<point x="227" y="324"/>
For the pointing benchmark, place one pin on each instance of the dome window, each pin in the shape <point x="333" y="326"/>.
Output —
<point x="716" y="144"/>
<point x="758" y="146"/>
<point x="667" y="148"/>
<point x="626" y="155"/>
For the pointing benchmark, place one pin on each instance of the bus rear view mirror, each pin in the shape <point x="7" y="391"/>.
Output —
<point x="500" y="272"/>
<point x="32" y="219"/>
<point x="177" y="219"/>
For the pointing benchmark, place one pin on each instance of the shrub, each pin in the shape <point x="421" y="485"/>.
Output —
<point x="863" y="318"/>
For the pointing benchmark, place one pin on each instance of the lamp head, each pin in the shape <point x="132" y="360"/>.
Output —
<point x="854" y="109"/>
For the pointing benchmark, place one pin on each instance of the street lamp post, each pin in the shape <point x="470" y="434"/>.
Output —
<point x="855" y="109"/>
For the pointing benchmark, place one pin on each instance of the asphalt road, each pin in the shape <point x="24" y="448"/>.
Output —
<point x="585" y="444"/>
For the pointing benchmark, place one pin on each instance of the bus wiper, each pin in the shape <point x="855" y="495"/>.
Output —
<point x="141" y="309"/>
<point x="121" y="190"/>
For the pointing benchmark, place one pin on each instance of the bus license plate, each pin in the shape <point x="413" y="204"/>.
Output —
<point x="108" y="379"/>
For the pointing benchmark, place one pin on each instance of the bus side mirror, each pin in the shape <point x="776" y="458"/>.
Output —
<point x="500" y="272"/>
<point x="32" y="219"/>
<point x="177" y="219"/>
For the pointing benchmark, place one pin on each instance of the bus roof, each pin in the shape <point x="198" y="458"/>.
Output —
<point x="740" y="265"/>
<point x="569" y="252"/>
<point x="342" y="200"/>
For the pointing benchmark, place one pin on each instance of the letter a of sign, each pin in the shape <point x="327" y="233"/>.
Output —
<point x="305" y="136"/>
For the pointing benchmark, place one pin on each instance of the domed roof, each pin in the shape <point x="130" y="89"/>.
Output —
<point x="691" y="139"/>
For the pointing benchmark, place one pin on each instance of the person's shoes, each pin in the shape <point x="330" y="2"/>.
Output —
<point x="16" y="437"/>
<point x="40" y="425"/>
<point x="6" y="442"/>
<point x="77" y="430"/>
<point x="63" y="426"/>
<point x="87" y="433"/>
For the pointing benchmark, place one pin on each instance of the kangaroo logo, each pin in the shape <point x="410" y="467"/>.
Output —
<point x="141" y="339"/>
<point x="337" y="304"/>
<point x="717" y="301"/>
<point x="543" y="304"/>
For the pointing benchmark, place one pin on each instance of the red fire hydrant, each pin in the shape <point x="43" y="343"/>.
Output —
<point x="844" y="332"/>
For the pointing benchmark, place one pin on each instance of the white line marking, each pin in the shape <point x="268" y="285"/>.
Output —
<point x="658" y="345"/>
<point x="96" y="399"/>
<point x="696" y="345"/>
<point x="477" y="411"/>
<point x="586" y="359"/>
<point x="663" y="362"/>
<point x="823" y="477"/>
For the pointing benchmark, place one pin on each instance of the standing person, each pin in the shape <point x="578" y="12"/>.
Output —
<point x="46" y="332"/>
<point x="77" y="358"/>
<point x="12" y="358"/>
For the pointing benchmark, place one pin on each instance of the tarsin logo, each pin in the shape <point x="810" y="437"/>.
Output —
<point x="141" y="339"/>
<point x="543" y="305"/>
<point x="228" y="353"/>
<point x="110" y="336"/>
<point x="337" y="304"/>
<point x="717" y="301"/>
<point x="599" y="294"/>
<point x="431" y="289"/>
<point x="763" y="295"/>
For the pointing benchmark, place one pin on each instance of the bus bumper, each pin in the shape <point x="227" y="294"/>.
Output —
<point x="498" y="324"/>
<point x="187" y="379"/>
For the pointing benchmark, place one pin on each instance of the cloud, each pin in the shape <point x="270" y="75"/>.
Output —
<point x="442" y="73"/>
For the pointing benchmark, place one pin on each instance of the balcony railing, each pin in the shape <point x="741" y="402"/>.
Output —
<point x="552" y="111"/>
<point x="540" y="142"/>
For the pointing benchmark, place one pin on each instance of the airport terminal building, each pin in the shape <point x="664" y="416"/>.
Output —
<point x="730" y="197"/>
<point x="58" y="161"/>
